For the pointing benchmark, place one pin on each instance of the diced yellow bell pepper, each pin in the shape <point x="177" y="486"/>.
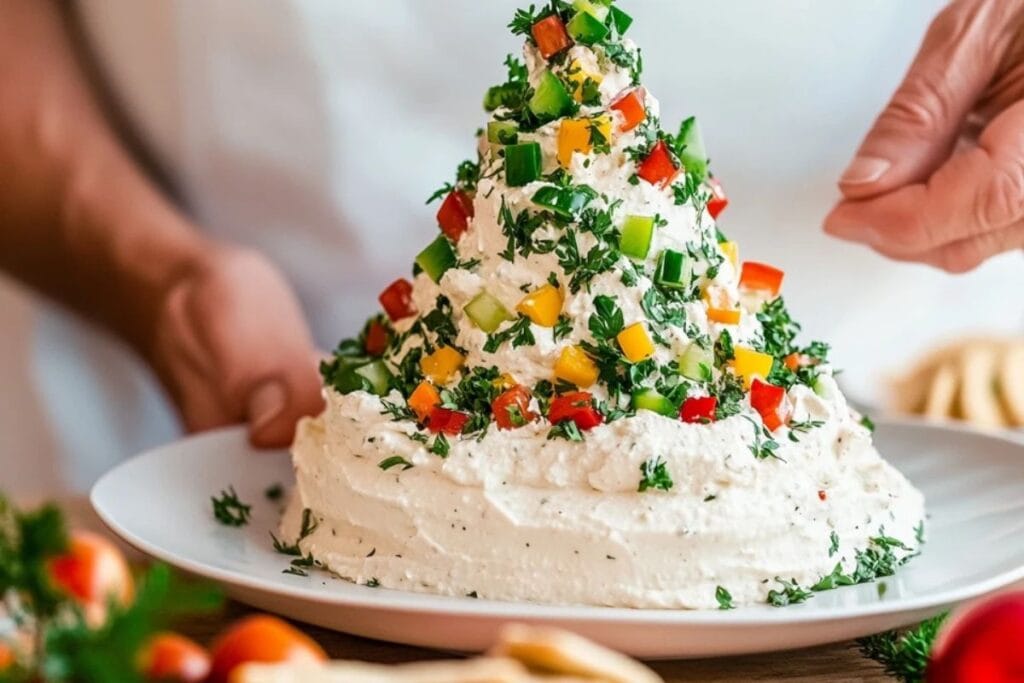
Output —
<point x="424" y="399"/>
<point x="575" y="366"/>
<point x="577" y="76"/>
<point x="505" y="381"/>
<point x="748" y="364"/>
<point x="721" y="308"/>
<point x="575" y="135"/>
<point x="732" y="252"/>
<point x="635" y="343"/>
<point x="442" y="364"/>
<point x="724" y="316"/>
<point x="542" y="306"/>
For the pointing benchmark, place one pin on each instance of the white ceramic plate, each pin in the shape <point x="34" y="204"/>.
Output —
<point x="974" y="485"/>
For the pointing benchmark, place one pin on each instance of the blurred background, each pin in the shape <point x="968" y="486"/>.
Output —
<point x="315" y="129"/>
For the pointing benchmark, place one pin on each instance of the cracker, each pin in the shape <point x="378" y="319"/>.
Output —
<point x="1011" y="383"/>
<point x="483" y="670"/>
<point x="979" y="402"/>
<point x="560" y="652"/>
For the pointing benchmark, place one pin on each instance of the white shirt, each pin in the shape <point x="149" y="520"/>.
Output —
<point x="315" y="129"/>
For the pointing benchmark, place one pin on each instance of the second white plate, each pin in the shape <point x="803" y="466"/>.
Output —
<point x="973" y="483"/>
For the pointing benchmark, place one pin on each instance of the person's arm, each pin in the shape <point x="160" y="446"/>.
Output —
<point x="939" y="179"/>
<point x="82" y="223"/>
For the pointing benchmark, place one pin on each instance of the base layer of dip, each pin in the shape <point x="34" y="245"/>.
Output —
<point x="516" y="516"/>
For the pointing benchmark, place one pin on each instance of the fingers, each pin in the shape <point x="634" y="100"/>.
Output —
<point x="969" y="209"/>
<point x="916" y="132"/>
<point x="276" y="405"/>
<point x="232" y="346"/>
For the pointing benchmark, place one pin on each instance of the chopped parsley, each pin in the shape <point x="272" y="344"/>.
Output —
<point x="562" y="328"/>
<point x="394" y="461"/>
<point x="229" y="510"/>
<point x="566" y="429"/>
<point x="520" y="333"/>
<point x="904" y="653"/>
<point x="440" y="447"/>
<point x="797" y="428"/>
<point x="654" y="475"/>
<point x="724" y="598"/>
<point x="867" y="423"/>
<point x="274" y="493"/>
<point x="833" y="543"/>
<point x="606" y="321"/>
<point x="764" y="445"/>
<point x="791" y="594"/>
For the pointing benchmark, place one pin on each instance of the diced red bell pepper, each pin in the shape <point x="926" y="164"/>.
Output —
<point x="631" y="106"/>
<point x="718" y="201"/>
<point x="397" y="300"/>
<point x="767" y="400"/>
<point x="577" y="406"/>
<point x="698" y="409"/>
<point x="454" y="214"/>
<point x="377" y="338"/>
<point x="658" y="168"/>
<point x="760" y="277"/>
<point x="512" y="408"/>
<point x="445" y="421"/>
<point x="551" y="37"/>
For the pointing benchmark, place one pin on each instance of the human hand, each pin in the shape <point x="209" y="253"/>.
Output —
<point x="940" y="177"/>
<point x="231" y="346"/>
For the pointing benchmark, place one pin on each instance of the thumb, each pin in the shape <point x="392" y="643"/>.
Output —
<point x="275" y="406"/>
<point x="917" y="130"/>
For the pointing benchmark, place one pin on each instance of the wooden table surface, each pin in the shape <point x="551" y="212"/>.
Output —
<point x="839" y="662"/>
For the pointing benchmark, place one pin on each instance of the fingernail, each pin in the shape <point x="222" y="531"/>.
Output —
<point x="863" y="170"/>
<point x="266" y="403"/>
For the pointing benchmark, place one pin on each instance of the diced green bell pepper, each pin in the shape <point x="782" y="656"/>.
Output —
<point x="693" y="154"/>
<point x="696" y="363"/>
<point x="619" y="19"/>
<point x="378" y="376"/>
<point x="675" y="271"/>
<point x="566" y="202"/>
<point x="361" y="374"/>
<point x="587" y="29"/>
<point x="551" y="99"/>
<point x="522" y="163"/>
<point x="503" y="132"/>
<point x="437" y="258"/>
<point x="597" y="8"/>
<point x="486" y="312"/>
<point x="649" y="399"/>
<point x="636" y="236"/>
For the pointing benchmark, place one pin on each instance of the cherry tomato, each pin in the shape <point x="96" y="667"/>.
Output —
<point x="985" y="643"/>
<point x="6" y="656"/>
<point x="511" y="408"/>
<point x="92" y="572"/>
<point x="171" y="657"/>
<point x="262" y="639"/>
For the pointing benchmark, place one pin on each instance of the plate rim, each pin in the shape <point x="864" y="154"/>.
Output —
<point x="428" y="603"/>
